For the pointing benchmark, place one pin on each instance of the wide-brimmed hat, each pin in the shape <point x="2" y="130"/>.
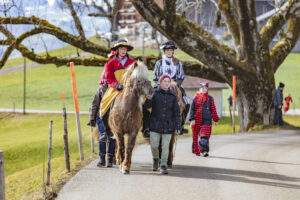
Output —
<point x="168" y="45"/>
<point x="121" y="43"/>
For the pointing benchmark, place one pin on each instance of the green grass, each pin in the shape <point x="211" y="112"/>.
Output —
<point x="45" y="86"/>
<point x="293" y="120"/>
<point x="24" y="140"/>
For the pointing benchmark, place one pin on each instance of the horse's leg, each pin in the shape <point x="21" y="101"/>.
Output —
<point x="129" y="145"/>
<point x="171" y="153"/>
<point x="159" y="148"/>
<point x="120" y="148"/>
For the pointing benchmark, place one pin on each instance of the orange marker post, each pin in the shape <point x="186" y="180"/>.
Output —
<point x="76" y="110"/>
<point x="233" y="102"/>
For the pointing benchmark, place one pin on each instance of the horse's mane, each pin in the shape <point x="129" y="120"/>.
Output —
<point x="136" y="71"/>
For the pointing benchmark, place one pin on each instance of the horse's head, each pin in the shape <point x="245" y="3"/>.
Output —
<point x="136" y="79"/>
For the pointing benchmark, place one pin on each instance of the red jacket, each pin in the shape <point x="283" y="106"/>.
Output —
<point x="113" y="66"/>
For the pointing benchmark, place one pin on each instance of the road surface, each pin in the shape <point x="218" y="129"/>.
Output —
<point x="241" y="166"/>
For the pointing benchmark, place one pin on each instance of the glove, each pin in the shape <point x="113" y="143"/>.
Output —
<point x="92" y="122"/>
<point x="178" y="132"/>
<point x="120" y="87"/>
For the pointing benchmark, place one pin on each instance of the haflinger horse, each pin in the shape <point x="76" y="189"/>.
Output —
<point x="174" y="86"/>
<point x="125" y="117"/>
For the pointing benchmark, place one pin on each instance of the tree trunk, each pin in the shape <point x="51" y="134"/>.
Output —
<point x="254" y="102"/>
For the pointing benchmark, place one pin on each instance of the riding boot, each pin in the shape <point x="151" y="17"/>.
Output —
<point x="110" y="160"/>
<point x="107" y="132"/>
<point x="101" y="162"/>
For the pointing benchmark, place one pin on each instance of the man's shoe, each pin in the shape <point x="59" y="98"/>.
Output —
<point x="155" y="164"/>
<point x="146" y="133"/>
<point x="163" y="170"/>
<point x="205" y="154"/>
<point x="101" y="162"/>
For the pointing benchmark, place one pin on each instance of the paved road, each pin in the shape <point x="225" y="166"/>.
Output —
<point x="242" y="166"/>
<point x="20" y="67"/>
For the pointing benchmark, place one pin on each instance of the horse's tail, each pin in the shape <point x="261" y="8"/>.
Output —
<point x="95" y="134"/>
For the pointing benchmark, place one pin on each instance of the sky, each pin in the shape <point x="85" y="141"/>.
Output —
<point x="57" y="17"/>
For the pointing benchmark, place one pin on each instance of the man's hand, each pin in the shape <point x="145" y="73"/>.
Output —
<point x="178" y="132"/>
<point x="92" y="123"/>
<point x="216" y="123"/>
<point x="120" y="87"/>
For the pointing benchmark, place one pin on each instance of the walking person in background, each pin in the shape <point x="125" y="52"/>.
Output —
<point x="94" y="118"/>
<point x="288" y="99"/>
<point x="278" y="103"/>
<point x="164" y="120"/>
<point x="203" y="110"/>
<point x="171" y="66"/>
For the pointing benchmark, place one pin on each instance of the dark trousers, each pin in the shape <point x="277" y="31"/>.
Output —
<point x="111" y="143"/>
<point x="278" y="116"/>
<point x="204" y="144"/>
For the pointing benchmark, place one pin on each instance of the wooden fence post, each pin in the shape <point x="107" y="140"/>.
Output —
<point x="92" y="138"/>
<point x="49" y="153"/>
<point x="65" y="137"/>
<point x="2" y="177"/>
<point x="76" y="111"/>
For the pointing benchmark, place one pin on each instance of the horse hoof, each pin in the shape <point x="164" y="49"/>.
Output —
<point x="125" y="171"/>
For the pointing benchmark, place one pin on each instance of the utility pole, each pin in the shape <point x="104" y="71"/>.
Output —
<point x="24" y="89"/>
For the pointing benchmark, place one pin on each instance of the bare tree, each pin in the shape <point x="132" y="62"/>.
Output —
<point x="251" y="60"/>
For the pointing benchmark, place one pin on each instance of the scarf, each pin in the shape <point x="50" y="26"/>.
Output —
<point x="202" y="97"/>
<point x="168" y="66"/>
<point x="122" y="60"/>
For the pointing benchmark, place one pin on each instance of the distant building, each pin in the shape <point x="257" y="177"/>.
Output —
<point x="191" y="85"/>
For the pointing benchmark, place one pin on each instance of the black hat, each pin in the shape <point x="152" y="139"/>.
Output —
<point x="121" y="43"/>
<point x="281" y="85"/>
<point x="168" y="45"/>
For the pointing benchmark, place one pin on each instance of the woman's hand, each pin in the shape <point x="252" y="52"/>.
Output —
<point x="192" y="122"/>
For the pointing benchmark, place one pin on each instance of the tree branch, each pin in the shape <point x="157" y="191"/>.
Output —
<point x="4" y="42"/>
<point x="169" y="12"/>
<point x="46" y="27"/>
<point x="286" y="43"/>
<point x="100" y="15"/>
<point x="232" y="24"/>
<point x="15" y="42"/>
<point x="194" y="40"/>
<point x="277" y="21"/>
<point x="249" y="37"/>
<point x="76" y="19"/>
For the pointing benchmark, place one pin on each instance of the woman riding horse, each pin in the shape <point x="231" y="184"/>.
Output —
<point x="114" y="71"/>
